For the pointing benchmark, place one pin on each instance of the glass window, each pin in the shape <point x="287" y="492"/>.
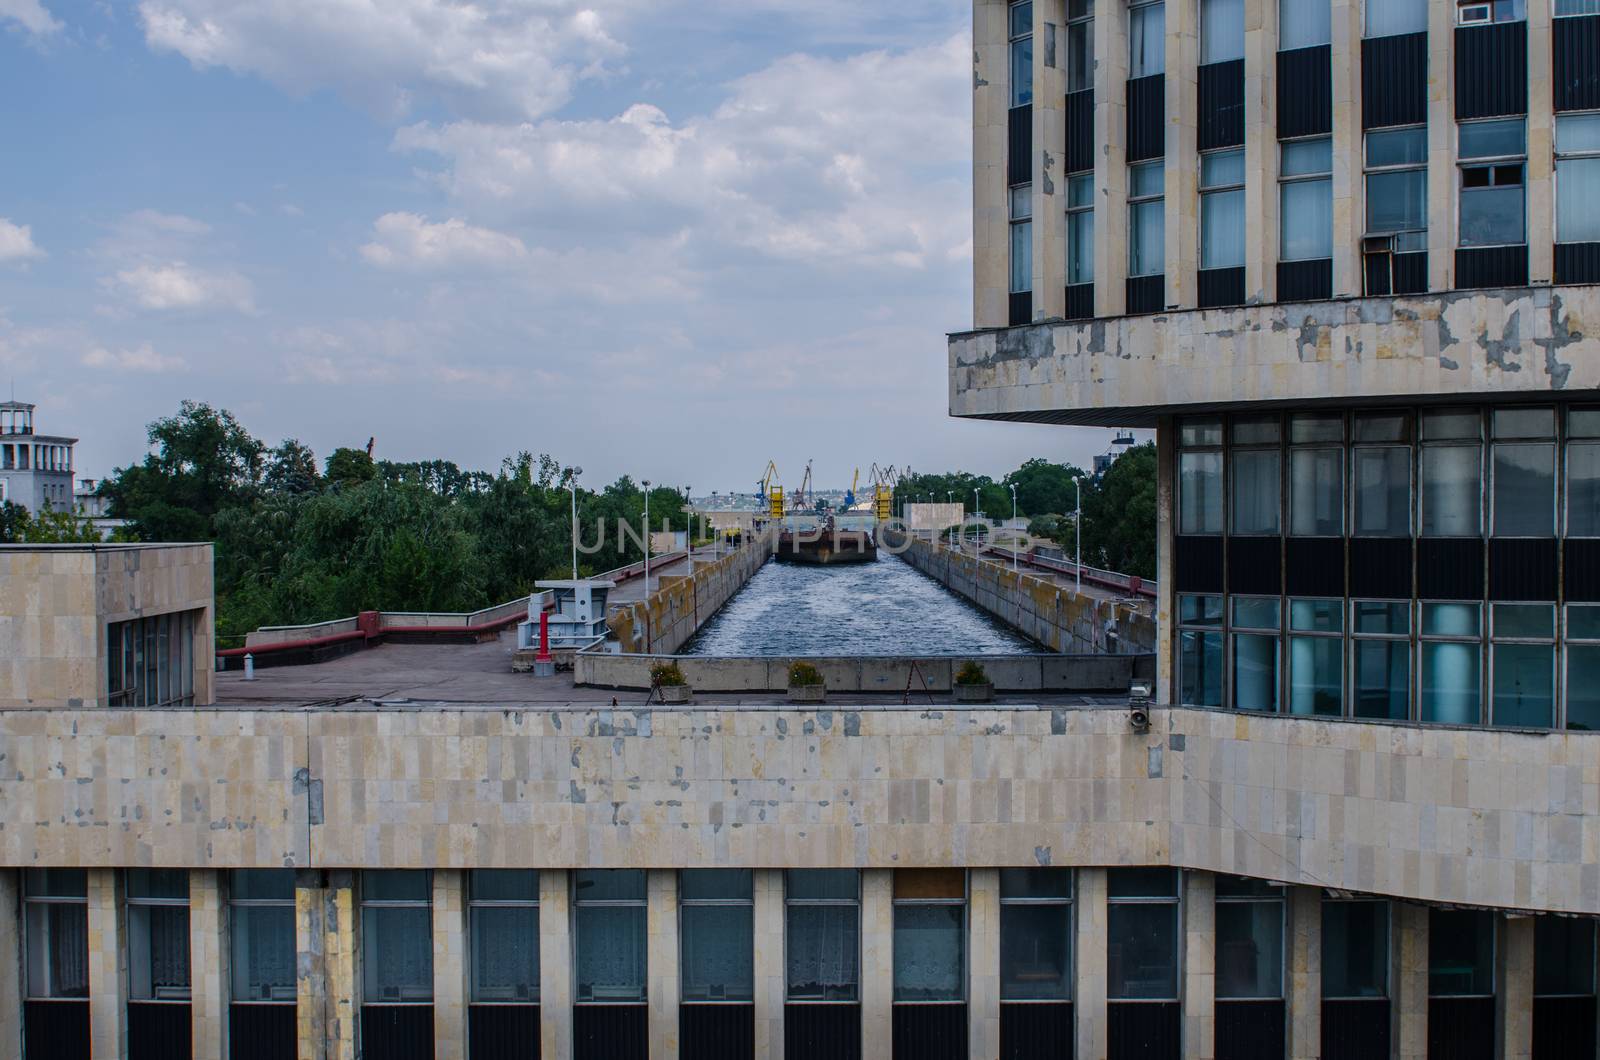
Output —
<point x="1355" y="949"/>
<point x="261" y="930"/>
<point x="1200" y="434"/>
<point x="1474" y="12"/>
<point x="1524" y="473"/>
<point x="1524" y="664"/>
<point x="1147" y="39"/>
<point x="151" y="661"/>
<point x="1583" y="473"/>
<point x="823" y="945"/>
<point x="1142" y="934"/>
<point x="1221" y="31"/>
<point x="1306" y="191"/>
<point x="1492" y="193"/>
<point x="1021" y="239"/>
<point x="1222" y="210"/>
<point x="1563" y="957"/>
<point x="397" y="937"/>
<point x="1316" y="492"/>
<point x="1200" y="650"/>
<point x="1304" y="24"/>
<point x="1460" y="953"/>
<point x="1316" y="657"/>
<point x="717" y="910"/>
<point x="1578" y="178"/>
<point x="1035" y="934"/>
<point x="1080" y="45"/>
<point x="1390" y="18"/>
<point x="1147" y="225"/>
<point x="1452" y="681"/>
<point x="503" y="907"/>
<point x="1080" y="229"/>
<point x="158" y="934"/>
<point x="1255" y="655"/>
<point x="1397" y="185"/>
<point x="612" y="910"/>
<point x="55" y="910"/>
<point x="1583" y="667"/>
<point x="1256" y="491"/>
<point x="1380" y="659"/>
<point x="1022" y="53"/>
<point x="1565" y="8"/>
<point x="1249" y="953"/>
<point x="1452" y="493"/>
<point x="930" y="914"/>
<point x="1200" y="489"/>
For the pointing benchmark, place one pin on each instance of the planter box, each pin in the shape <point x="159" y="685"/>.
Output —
<point x="808" y="693"/>
<point x="675" y="693"/>
<point x="983" y="693"/>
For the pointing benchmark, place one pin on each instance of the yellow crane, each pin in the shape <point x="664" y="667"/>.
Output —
<point x="771" y="490"/>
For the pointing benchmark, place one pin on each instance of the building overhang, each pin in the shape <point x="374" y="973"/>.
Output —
<point x="1528" y="342"/>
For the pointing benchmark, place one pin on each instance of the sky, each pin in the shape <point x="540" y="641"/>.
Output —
<point x="672" y="239"/>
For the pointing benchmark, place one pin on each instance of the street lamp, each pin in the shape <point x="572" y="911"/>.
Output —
<point x="646" y="483"/>
<point x="1077" y="529"/>
<point x="688" y="538"/>
<point x="572" y="483"/>
<point x="977" y="536"/>
<point x="1013" y="528"/>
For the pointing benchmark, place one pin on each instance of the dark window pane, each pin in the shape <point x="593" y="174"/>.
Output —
<point x="1524" y="685"/>
<point x="1583" y="687"/>
<point x="505" y="953"/>
<point x="714" y="884"/>
<point x="1563" y="956"/>
<point x="262" y="885"/>
<point x="1381" y="676"/>
<point x="1525" y="489"/>
<point x="1200" y="668"/>
<point x="263" y="953"/>
<point x="718" y="952"/>
<point x="170" y="884"/>
<point x="1316" y="676"/>
<point x="823" y="952"/>
<point x="929" y="962"/>
<point x="1249" y="950"/>
<point x="58" y="950"/>
<point x="1460" y="953"/>
<point x="836" y="884"/>
<point x="1035" y="952"/>
<point x="1142" y="883"/>
<point x="505" y="885"/>
<point x="396" y="885"/>
<point x="397" y="953"/>
<point x="1035" y="883"/>
<point x="1142" y="951"/>
<point x="1355" y="949"/>
<point x="611" y="953"/>
<point x="610" y="885"/>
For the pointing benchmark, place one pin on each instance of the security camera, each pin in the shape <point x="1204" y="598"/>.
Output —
<point x="1139" y="708"/>
<point x="1139" y="720"/>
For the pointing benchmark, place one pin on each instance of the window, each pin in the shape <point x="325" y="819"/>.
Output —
<point x="1355" y="949"/>
<point x="1222" y="210"/>
<point x="1147" y="223"/>
<point x="1397" y="187"/>
<point x="1256" y="627"/>
<point x="1142" y="934"/>
<point x="1524" y="472"/>
<point x="1583" y="472"/>
<point x="1380" y="662"/>
<point x="1255" y="473"/>
<point x="1316" y="475"/>
<point x="1022" y="239"/>
<point x="1304" y="24"/>
<point x="1249" y="954"/>
<point x="930" y="920"/>
<point x="151" y="661"/>
<point x="1523" y="662"/>
<point x="1452" y="474"/>
<point x="1316" y="657"/>
<point x="55" y="911"/>
<point x="1565" y="8"/>
<point x="611" y="906"/>
<point x="1381" y="474"/>
<point x="1221" y="31"/>
<point x="1035" y="934"/>
<point x="823" y="934"/>
<point x="503" y="914"/>
<point x="1492" y="194"/>
<point x="1080" y="45"/>
<point x="1147" y="39"/>
<point x="1583" y="667"/>
<point x="1578" y="177"/>
<point x="1305" y="186"/>
<point x="716" y="911"/>
<point x="1022" y="53"/>
<point x="397" y="937"/>
<point x="158" y="934"/>
<point x="1080" y="229"/>
<point x="1451" y="683"/>
<point x="1563" y="957"/>
<point x="1200" y="650"/>
<point x="1391" y="18"/>
<point x="261" y="929"/>
<point x="1460" y="953"/>
<point x="1480" y="12"/>
<point x="1200" y="478"/>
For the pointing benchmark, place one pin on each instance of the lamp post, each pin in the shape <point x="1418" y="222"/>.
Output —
<point x="688" y="538"/>
<point x="1077" y="531"/>
<point x="572" y="483"/>
<point x="646" y="483"/>
<point x="1013" y="528"/>
<point x="977" y="536"/>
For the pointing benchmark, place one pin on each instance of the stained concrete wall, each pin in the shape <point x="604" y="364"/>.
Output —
<point x="57" y="600"/>
<point x="681" y="605"/>
<point x="1467" y="816"/>
<point x="1051" y="614"/>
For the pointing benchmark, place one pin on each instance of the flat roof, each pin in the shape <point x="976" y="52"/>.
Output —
<point x="106" y="546"/>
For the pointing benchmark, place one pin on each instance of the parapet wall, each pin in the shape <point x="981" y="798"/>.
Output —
<point x="1051" y="614"/>
<point x="664" y="622"/>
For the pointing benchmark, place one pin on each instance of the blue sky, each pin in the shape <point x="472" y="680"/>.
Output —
<point x="670" y="239"/>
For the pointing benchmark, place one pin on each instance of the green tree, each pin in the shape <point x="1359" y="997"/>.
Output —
<point x="292" y="468"/>
<point x="1044" y="488"/>
<point x="349" y="467"/>
<point x="1119" y="516"/>
<point x="203" y="461"/>
<point x="59" y="528"/>
<point x="13" y="522"/>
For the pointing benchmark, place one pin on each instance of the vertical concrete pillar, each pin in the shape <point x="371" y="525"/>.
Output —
<point x="661" y="962"/>
<point x="332" y="992"/>
<point x="1304" y="978"/>
<point x="11" y="984"/>
<point x="771" y="987"/>
<point x="1261" y="150"/>
<point x="877" y="962"/>
<point x="1441" y="147"/>
<point x="1183" y="158"/>
<point x="991" y="100"/>
<point x="983" y="999"/>
<point x="1089" y="988"/>
<point x="1166" y="582"/>
<point x="1111" y="164"/>
<point x="311" y="972"/>
<point x="1349" y="184"/>
<point x="1410" y="981"/>
<point x="1514" y="979"/>
<point x="108" y="967"/>
<point x="449" y="965"/>
<point x="1049" y="159"/>
<point x="1199" y="966"/>
<point x="209" y="955"/>
<point x="555" y="965"/>
<point x="1541" y="148"/>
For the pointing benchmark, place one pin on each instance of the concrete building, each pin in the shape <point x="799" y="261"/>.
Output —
<point x="35" y="469"/>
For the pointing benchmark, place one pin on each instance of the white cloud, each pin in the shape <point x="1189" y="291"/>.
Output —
<point x="506" y="58"/>
<point x="177" y="285"/>
<point x="142" y="358"/>
<point x="407" y="241"/>
<point x="16" y="242"/>
<point x="30" y="15"/>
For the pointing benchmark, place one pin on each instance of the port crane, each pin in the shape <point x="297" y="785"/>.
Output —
<point x="803" y="495"/>
<point x="771" y="491"/>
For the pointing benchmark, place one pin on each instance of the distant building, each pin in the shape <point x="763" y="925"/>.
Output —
<point x="1119" y="445"/>
<point x="35" y="469"/>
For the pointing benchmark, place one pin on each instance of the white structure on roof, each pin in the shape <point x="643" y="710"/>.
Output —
<point x="35" y="469"/>
<point x="579" y="618"/>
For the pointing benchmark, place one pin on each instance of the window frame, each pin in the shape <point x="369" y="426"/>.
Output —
<point x="1069" y="904"/>
<point x="789" y="902"/>
<point x="131" y="902"/>
<point x="40" y="899"/>
<point x="964" y="903"/>
<point x="1286" y="181"/>
<point x="1591" y="154"/>
<point x="1495" y="441"/>
<point x="235" y="902"/>
<point x="1478" y="641"/>
<point x="1210" y="631"/>
<point x="1337" y="636"/>
<point x="1135" y="202"/>
<point x="1137" y="11"/>
<point x="474" y="905"/>
<point x="1077" y="212"/>
<point x="1518" y="10"/>
<point x="1496" y="640"/>
<point x="747" y="903"/>
<point x="379" y="904"/>
<point x="1366" y="21"/>
<point x="1423" y="444"/>
<point x="1080" y="23"/>
<point x="579" y="904"/>
<point x="1175" y="901"/>
<point x="1408" y="639"/>
<point x="1407" y="240"/>
<point x="1237" y="630"/>
<point x="1492" y="163"/>
<point x="1280" y="900"/>
<point x="1023" y="98"/>
<point x="1301" y="47"/>
<point x="1388" y="962"/>
<point x="1231" y="187"/>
